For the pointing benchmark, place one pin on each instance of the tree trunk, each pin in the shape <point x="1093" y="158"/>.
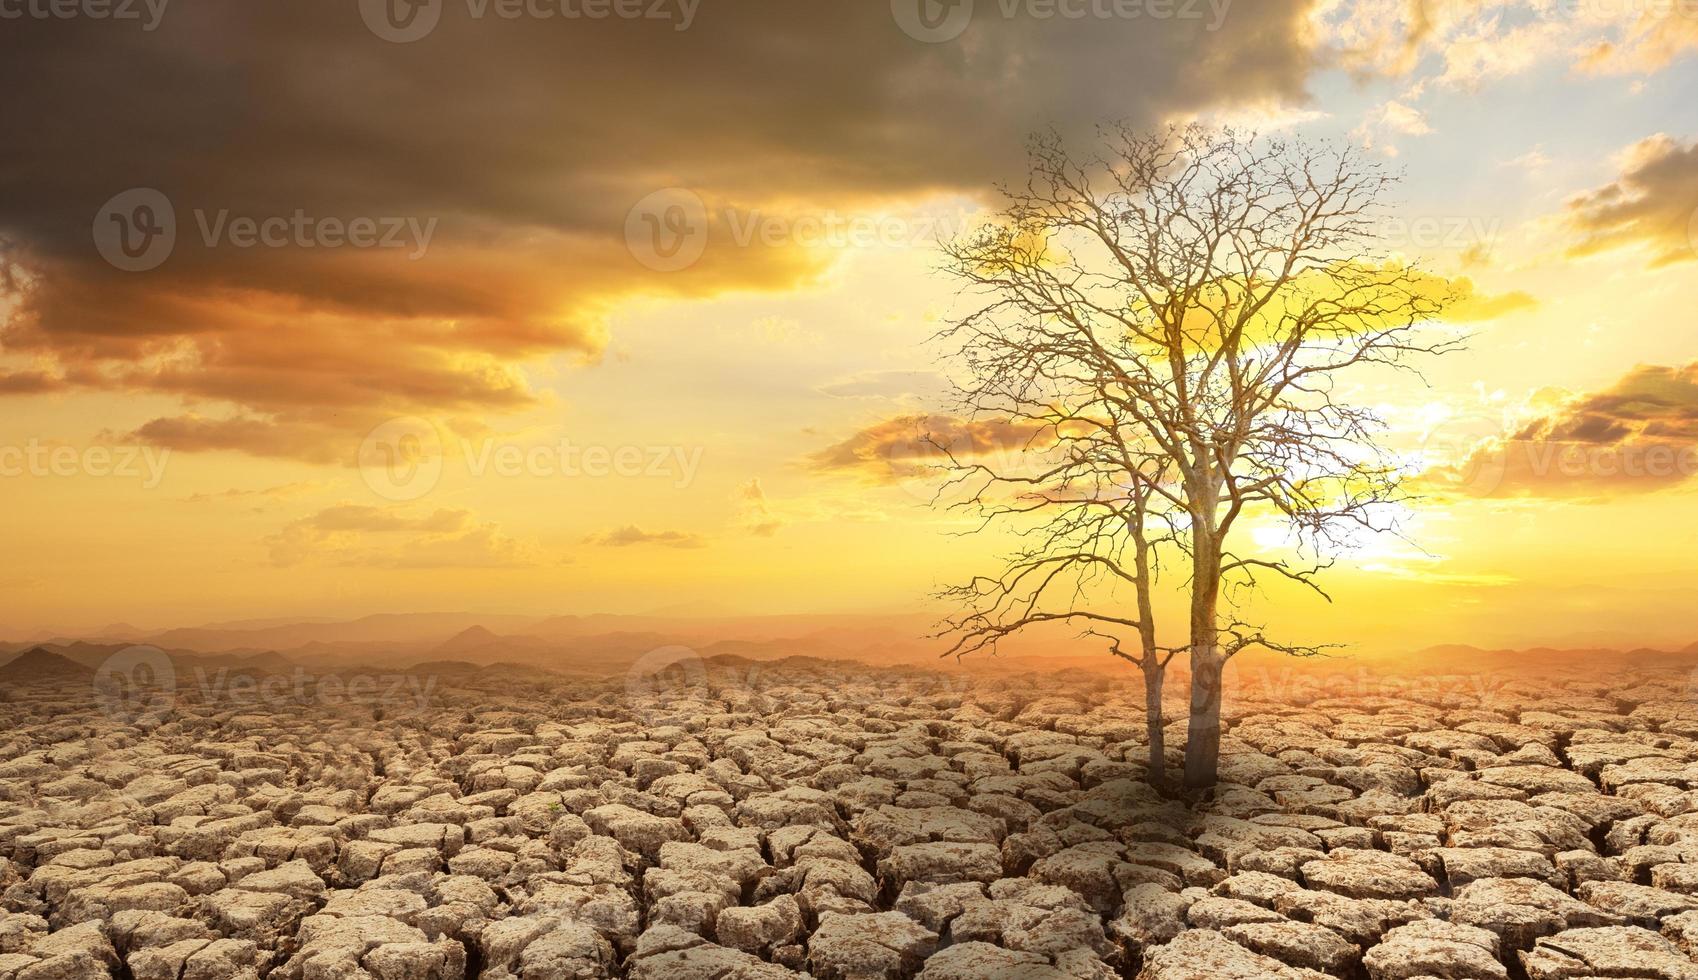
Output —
<point x="1153" y="677"/>
<point x="1202" y="742"/>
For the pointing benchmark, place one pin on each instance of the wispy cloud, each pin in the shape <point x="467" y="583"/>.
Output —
<point x="631" y="535"/>
<point x="379" y="537"/>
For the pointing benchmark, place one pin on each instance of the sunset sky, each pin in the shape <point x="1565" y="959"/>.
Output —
<point x="738" y="418"/>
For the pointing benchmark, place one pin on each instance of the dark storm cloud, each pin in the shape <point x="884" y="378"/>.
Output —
<point x="520" y="144"/>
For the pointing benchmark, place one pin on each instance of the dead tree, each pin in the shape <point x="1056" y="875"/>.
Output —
<point x="1099" y="528"/>
<point x="1172" y="319"/>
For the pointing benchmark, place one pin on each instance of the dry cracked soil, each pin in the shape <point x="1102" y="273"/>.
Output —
<point x="822" y="819"/>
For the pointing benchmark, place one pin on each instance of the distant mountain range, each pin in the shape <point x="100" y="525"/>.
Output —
<point x="40" y="663"/>
<point x="87" y="657"/>
<point x="594" y="644"/>
<point x="1463" y="654"/>
<point x="604" y="643"/>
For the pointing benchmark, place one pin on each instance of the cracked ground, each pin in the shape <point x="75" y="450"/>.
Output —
<point x="812" y="818"/>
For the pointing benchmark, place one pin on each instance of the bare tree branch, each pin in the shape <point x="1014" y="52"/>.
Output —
<point x="1170" y="322"/>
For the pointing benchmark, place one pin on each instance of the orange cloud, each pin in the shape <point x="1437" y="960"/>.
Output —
<point x="1638" y="436"/>
<point x="298" y="356"/>
<point x="243" y="434"/>
<point x="29" y="383"/>
<point x="1653" y="205"/>
<point x="900" y="447"/>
